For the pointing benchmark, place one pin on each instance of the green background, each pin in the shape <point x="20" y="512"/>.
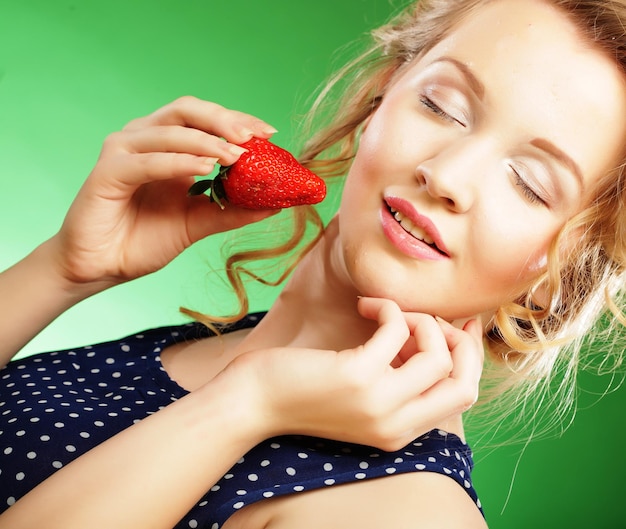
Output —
<point x="73" y="71"/>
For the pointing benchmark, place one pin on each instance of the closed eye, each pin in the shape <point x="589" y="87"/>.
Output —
<point x="438" y="111"/>
<point x="528" y="192"/>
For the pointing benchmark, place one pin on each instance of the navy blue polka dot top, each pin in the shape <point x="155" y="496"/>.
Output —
<point x="56" y="406"/>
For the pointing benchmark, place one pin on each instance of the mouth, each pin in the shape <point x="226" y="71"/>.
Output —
<point x="417" y="226"/>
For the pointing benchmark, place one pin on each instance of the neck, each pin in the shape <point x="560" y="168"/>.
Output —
<point x="317" y="307"/>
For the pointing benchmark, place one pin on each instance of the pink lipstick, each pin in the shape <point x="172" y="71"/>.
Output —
<point x="413" y="234"/>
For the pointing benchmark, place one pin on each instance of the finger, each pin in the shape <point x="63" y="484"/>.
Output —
<point x="446" y="398"/>
<point x="236" y="127"/>
<point x="172" y="139"/>
<point x="428" y="334"/>
<point x="476" y="328"/>
<point x="137" y="169"/>
<point x="428" y="337"/>
<point x="416" y="381"/>
<point x="392" y="330"/>
<point x="466" y="348"/>
<point x="423" y="414"/>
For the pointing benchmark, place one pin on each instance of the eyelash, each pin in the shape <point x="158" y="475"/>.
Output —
<point x="436" y="109"/>
<point x="527" y="190"/>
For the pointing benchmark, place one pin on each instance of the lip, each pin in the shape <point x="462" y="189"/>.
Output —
<point x="403" y="240"/>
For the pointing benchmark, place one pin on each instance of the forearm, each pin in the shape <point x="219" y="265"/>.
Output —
<point x="33" y="293"/>
<point x="151" y="474"/>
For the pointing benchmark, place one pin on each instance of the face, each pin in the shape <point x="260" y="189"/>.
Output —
<point x="479" y="153"/>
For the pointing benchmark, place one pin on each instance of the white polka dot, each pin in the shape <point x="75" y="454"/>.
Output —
<point x="241" y="492"/>
<point x="298" y="488"/>
<point x="390" y="470"/>
<point x="291" y="471"/>
<point x="265" y="463"/>
<point x="45" y="438"/>
<point x="10" y="500"/>
<point x="8" y="450"/>
<point x="275" y="445"/>
<point x="398" y="460"/>
<point x="363" y="465"/>
<point x="253" y="477"/>
<point x="268" y="494"/>
<point x="446" y="470"/>
<point x="302" y="455"/>
<point x="59" y="424"/>
<point x="432" y="460"/>
<point x="57" y="464"/>
<point x="329" y="482"/>
<point x="360" y="475"/>
<point x="20" y="476"/>
<point x="238" y="505"/>
<point x="193" y="524"/>
<point x="328" y="467"/>
<point x="215" y="488"/>
<point x="84" y="435"/>
<point x="31" y="455"/>
<point x="228" y="476"/>
<point x="419" y="466"/>
<point x="70" y="448"/>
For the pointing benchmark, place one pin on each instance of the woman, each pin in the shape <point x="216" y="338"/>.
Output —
<point x="485" y="162"/>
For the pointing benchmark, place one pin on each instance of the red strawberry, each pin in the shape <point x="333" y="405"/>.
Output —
<point x="264" y="177"/>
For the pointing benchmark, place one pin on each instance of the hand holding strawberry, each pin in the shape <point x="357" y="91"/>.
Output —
<point x="264" y="177"/>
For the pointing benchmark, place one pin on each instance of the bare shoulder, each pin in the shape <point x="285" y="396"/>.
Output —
<point x="419" y="500"/>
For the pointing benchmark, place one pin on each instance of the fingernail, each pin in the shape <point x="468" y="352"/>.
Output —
<point x="210" y="161"/>
<point x="246" y="132"/>
<point x="268" y="129"/>
<point x="237" y="150"/>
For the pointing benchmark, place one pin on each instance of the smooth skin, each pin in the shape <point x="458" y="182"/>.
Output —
<point x="376" y="370"/>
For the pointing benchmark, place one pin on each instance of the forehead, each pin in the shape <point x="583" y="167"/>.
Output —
<point x="542" y="78"/>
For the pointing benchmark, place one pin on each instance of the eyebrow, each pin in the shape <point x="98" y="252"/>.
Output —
<point x="477" y="87"/>
<point x="561" y="156"/>
<point x="541" y="143"/>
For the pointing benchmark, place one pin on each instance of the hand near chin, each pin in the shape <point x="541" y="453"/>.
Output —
<point x="411" y="375"/>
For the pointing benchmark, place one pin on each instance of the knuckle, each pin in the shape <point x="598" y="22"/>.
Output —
<point x="113" y="140"/>
<point x="443" y="365"/>
<point x="389" y="440"/>
<point x="468" y="395"/>
<point x="184" y="101"/>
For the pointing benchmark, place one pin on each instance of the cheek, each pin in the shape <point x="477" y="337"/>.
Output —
<point x="511" y="257"/>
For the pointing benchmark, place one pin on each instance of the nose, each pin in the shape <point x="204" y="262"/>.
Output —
<point x="454" y="174"/>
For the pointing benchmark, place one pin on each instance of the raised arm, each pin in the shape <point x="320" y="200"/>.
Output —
<point x="131" y="217"/>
